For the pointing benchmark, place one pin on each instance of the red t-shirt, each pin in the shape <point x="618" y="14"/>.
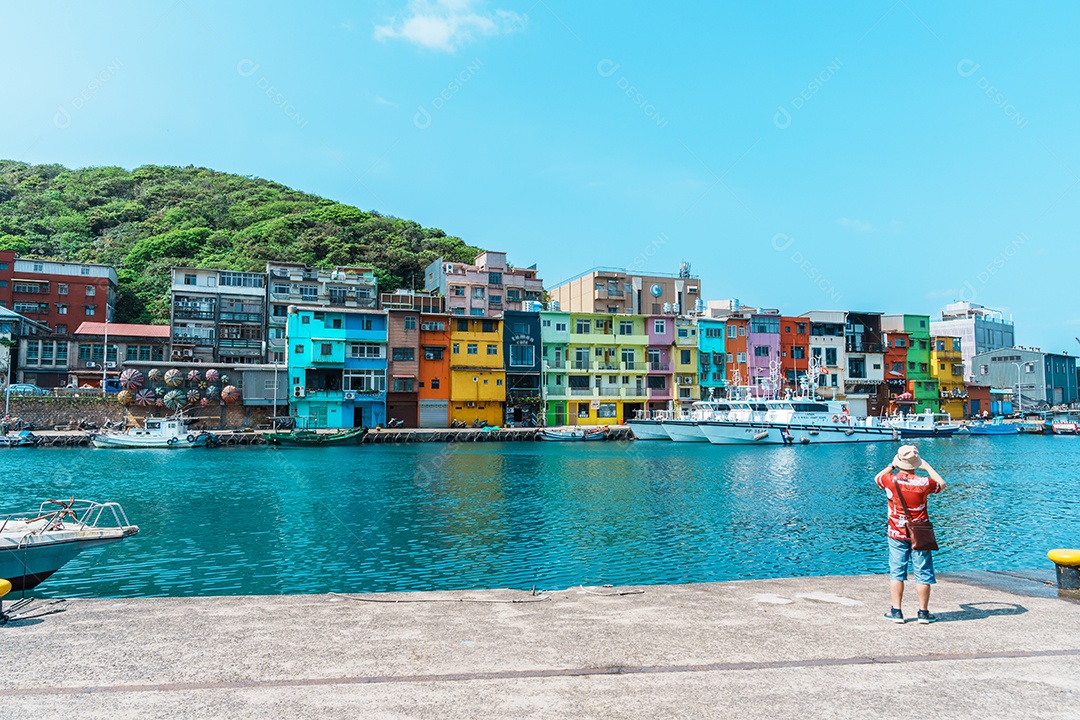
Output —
<point x="916" y="489"/>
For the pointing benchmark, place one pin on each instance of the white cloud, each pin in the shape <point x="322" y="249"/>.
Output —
<point x="857" y="225"/>
<point x="446" y="25"/>
<point x="379" y="100"/>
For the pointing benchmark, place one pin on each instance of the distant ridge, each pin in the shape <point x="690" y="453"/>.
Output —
<point x="154" y="217"/>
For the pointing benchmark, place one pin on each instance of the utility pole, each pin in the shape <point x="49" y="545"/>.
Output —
<point x="105" y="355"/>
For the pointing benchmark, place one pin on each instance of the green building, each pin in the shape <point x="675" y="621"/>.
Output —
<point x="921" y="382"/>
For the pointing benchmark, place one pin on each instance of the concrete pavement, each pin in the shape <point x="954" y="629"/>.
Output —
<point x="1005" y="646"/>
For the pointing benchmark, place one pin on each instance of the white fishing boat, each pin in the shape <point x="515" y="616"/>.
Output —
<point x="685" y="428"/>
<point x="34" y="545"/>
<point x="573" y="434"/>
<point x="173" y="432"/>
<point x="649" y="428"/>
<point x="925" y="424"/>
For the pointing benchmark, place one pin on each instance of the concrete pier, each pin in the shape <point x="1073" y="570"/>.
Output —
<point x="1005" y="646"/>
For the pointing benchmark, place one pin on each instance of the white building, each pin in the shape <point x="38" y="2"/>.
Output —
<point x="979" y="328"/>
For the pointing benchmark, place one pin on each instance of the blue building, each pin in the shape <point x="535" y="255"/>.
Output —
<point x="712" y="362"/>
<point x="522" y="352"/>
<point x="337" y="366"/>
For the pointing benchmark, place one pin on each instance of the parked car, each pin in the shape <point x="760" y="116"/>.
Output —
<point x="26" y="389"/>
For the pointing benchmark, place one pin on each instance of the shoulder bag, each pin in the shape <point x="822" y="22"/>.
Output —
<point x="921" y="534"/>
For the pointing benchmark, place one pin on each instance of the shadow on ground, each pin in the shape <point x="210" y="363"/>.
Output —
<point x="980" y="611"/>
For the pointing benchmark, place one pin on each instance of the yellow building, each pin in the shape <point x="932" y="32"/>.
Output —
<point x="685" y="362"/>
<point x="606" y="367"/>
<point x="947" y="367"/>
<point x="477" y="373"/>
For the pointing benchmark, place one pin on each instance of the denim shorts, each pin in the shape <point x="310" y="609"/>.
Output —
<point x="900" y="553"/>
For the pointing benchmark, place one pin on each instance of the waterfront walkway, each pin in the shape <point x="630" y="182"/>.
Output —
<point x="812" y="647"/>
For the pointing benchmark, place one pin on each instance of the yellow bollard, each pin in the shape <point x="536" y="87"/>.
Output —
<point x="5" y="587"/>
<point x="1068" y="568"/>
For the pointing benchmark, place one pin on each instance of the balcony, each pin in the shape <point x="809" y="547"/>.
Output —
<point x="610" y="391"/>
<point x="579" y="365"/>
<point x="559" y="367"/>
<point x="631" y="339"/>
<point x="278" y="320"/>
<point x="635" y="393"/>
<point x="855" y="345"/>
<point x="241" y="317"/>
<point x="182" y="338"/>
<point x="663" y="367"/>
<point x="556" y="391"/>
<point x="660" y="393"/>
<point x="581" y="392"/>
<point x="187" y="312"/>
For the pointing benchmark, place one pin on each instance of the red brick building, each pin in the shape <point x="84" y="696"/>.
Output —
<point x="59" y="294"/>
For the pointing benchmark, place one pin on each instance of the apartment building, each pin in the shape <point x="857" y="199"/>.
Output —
<point x="920" y="382"/>
<point x="477" y="370"/>
<point x="522" y="352"/>
<point x="979" y="328"/>
<point x="827" y="345"/>
<point x="947" y="367"/>
<point x="61" y="295"/>
<point x="685" y="362"/>
<point x="864" y="349"/>
<point x="763" y="350"/>
<point x="660" y="379"/>
<point x="218" y="316"/>
<point x="712" y="358"/>
<point x="794" y="350"/>
<point x="486" y="288"/>
<point x="618" y="291"/>
<point x="555" y="361"/>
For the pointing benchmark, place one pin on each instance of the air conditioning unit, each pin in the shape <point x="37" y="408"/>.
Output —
<point x="91" y="364"/>
<point x="298" y="391"/>
<point x="110" y="363"/>
<point x="350" y="395"/>
<point x="186" y="353"/>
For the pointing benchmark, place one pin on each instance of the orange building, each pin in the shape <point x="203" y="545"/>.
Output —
<point x="896" y="354"/>
<point x="735" y="347"/>
<point x="794" y="350"/>
<point x="434" y="382"/>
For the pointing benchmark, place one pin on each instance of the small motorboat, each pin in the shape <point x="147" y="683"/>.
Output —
<point x="314" y="438"/>
<point x="926" y="424"/>
<point x="23" y="438"/>
<point x="34" y="545"/>
<point x="573" y="434"/>
<point x="997" y="426"/>
<point x="1065" y="427"/>
<point x="156" y="433"/>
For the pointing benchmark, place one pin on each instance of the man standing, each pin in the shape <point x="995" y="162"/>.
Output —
<point x="900" y="477"/>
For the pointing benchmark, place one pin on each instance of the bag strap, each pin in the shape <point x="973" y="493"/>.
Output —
<point x="903" y="503"/>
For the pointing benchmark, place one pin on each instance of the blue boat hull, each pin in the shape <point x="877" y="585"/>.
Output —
<point x="929" y="433"/>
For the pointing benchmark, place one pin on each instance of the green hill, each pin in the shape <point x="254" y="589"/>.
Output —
<point x="145" y="221"/>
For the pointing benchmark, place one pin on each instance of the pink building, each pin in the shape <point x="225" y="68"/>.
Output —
<point x="485" y="288"/>
<point x="762" y="347"/>
<point x="661" y="333"/>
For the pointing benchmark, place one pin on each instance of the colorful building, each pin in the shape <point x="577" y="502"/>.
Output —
<point x="794" y="350"/>
<point x="827" y="346"/>
<point x="660" y="380"/>
<point x="555" y="361"/>
<point x="712" y="360"/>
<point x="433" y="386"/>
<point x="618" y="291"/>
<point x="947" y="367"/>
<point x="522" y="350"/>
<point x="685" y="362"/>
<point x="763" y="349"/>
<point x="736" y="348"/>
<point x="864" y="349"/>
<point x="486" y="288"/>
<point x="477" y="371"/>
<point x="403" y="366"/>
<point x="896" y="351"/>
<point x="337" y="366"/>
<point x="920" y="383"/>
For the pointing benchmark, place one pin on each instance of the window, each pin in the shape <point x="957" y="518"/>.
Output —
<point x="472" y="349"/>
<point x="626" y="327"/>
<point x="90" y="290"/>
<point x="583" y="410"/>
<point x="61" y="329"/>
<point x="830" y="356"/>
<point x="682" y="332"/>
<point x="299" y="349"/>
<point x="922" y="344"/>
<point x="513" y="295"/>
<point x="582" y="327"/>
<point x="798" y="352"/>
<point x="189" y="279"/>
<point x="326" y="348"/>
<point x="281" y="288"/>
<point x="714" y="332"/>
<point x="492" y="349"/>
<point x="494" y="278"/>
<point x="911" y="366"/>
<point x="730" y="358"/>
<point x="897" y="367"/>
<point x="601" y="324"/>
<point x="765" y="325"/>
<point x="488" y="326"/>
<point x="367" y="351"/>
<point x="659" y="327"/>
<point x="495" y="299"/>
<point x="742" y="330"/>
<point x="606" y="410"/>
<point x="684" y="357"/>
<point x="478" y="293"/>
<point x="463" y="325"/>
<point x="62" y="288"/>
<point x="457" y="290"/>
<point x="433" y="353"/>
<point x="84" y="271"/>
<point x="403" y="385"/>
<point x="742" y="358"/>
<point x="900" y="342"/>
<point x="457" y="348"/>
<point x="761" y="351"/>
<point x="91" y="310"/>
<point x="404" y="354"/>
<point x="434" y="383"/>
<point x="545" y="323"/>
<point x="477" y="312"/>
<point x="40" y="267"/>
<point x="238" y="279"/>
<point x="800" y="328"/>
<point x="365" y="381"/>
<point x="732" y="331"/>
<point x="309" y="292"/>
<point x="560" y="327"/>
<point x="410" y="322"/>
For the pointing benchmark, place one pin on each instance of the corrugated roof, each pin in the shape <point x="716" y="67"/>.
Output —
<point x="125" y="329"/>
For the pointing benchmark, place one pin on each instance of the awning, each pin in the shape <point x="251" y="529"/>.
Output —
<point x="404" y="377"/>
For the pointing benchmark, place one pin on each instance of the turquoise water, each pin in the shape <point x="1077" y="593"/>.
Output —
<point x="434" y="516"/>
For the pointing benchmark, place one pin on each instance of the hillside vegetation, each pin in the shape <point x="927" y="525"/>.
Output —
<point x="145" y="221"/>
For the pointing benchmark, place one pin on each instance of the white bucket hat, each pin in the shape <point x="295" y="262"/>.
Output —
<point x="907" y="458"/>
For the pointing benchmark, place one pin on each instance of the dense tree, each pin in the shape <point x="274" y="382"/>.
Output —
<point x="145" y="221"/>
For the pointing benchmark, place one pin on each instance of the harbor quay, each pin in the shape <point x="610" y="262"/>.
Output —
<point x="1005" y="645"/>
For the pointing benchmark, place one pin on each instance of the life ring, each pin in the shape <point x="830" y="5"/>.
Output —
<point x="172" y="441"/>
<point x="835" y="418"/>
<point x="845" y="419"/>
<point x="190" y="438"/>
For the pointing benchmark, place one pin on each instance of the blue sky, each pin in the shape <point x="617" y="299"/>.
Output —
<point x="892" y="155"/>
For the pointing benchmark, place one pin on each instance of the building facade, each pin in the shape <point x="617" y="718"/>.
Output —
<point x="297" y="284"/>
<point x="1044" y="379"/>
<point x="979" y="328"/>
<point x="920" y="382"/>
<point x="337" y="365"/>
<point x="61" y="295"/>
<point x="864" y="350"/>
<point x="218" y="316"/>
<point x="433" y="388"/>
<point x="16" y="335"/>
<point x="660" y="378"/>
<point x="523" y="353"/>
<point x="794" y="350"/>
<point x="617" y="291"/>
<point x="486" y="288"/>
<point x="763" y="350"/>
<point x="947" y="367"/>
<point x="827" y="345"/>
<point x="712" y="359"/>
<point x="477" y="371"/>
<point x="686" y="363"/>
<point x="555" y="360"/>
<point x="403" y="367"/>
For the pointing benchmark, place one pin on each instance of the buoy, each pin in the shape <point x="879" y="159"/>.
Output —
<point x="5" y="587"/>
<point x="805" y="441"/>
<point x="1068" y="568"/>
<point x="761" y="435"/>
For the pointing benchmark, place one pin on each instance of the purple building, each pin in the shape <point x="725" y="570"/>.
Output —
<point x="762" y="347"/>
<point x="661" y="332"/>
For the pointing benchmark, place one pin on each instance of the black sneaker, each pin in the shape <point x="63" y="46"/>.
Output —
<point x="896" y="616"/>
<point x="925" y="618"/>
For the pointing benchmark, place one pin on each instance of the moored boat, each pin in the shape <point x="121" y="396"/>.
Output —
<point x="34" y="545"/>
<point x="685" y="428"/>
<point x="798" y="421"/>
<point x="997" y="426"/>
<point x="314" y="438"/>
<point x="573" y="434"/>
<point x="927" y="424"/>
<point x="173" y="433"/>
<point x="23" y="438"/>
<point x="648" y="429"/>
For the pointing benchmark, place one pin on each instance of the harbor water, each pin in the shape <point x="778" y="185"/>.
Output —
<point x="545" y="515"/>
